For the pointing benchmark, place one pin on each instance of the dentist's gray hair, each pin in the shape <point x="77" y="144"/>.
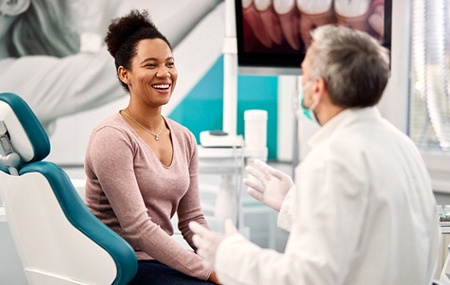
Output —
<point x="353" y="64"/>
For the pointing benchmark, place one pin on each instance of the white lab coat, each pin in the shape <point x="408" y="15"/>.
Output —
<point x="364" y="213"/>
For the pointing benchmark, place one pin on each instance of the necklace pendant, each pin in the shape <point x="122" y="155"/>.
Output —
<point x="143" y="127"/>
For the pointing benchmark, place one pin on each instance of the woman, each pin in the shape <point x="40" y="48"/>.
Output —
<point x="142" y="168"/>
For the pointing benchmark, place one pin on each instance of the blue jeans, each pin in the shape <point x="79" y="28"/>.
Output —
<point x="154" y="272"/>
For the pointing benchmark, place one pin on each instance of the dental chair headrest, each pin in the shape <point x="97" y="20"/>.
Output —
<point x="27" y="136"/>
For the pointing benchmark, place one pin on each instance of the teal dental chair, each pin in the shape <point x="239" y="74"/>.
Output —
<point x="58" y="239"/>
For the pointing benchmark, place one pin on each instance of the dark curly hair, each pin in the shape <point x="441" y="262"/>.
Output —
<point x="124" y="34"/>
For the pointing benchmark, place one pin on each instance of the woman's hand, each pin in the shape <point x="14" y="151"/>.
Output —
<point x="213" y="278"/>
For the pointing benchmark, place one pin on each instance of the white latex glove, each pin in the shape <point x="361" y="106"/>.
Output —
<point x="270" y="186"/>
<point x="208" y="241"/>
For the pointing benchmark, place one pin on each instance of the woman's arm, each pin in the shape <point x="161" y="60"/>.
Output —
<point x="189" y="208"/>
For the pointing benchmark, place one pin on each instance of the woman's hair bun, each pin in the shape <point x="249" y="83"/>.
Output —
<point x="123" y="28"/>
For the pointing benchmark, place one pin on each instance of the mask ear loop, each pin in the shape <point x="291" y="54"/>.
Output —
<point x="314" y="105"/>
<point x="316" y="102"/>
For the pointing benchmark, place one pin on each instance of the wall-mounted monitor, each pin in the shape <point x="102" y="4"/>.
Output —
<point x="272" y="35"/>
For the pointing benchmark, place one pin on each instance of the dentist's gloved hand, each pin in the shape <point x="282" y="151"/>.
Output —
<point x="208" y="241"/>
<point x="271" y="185"/>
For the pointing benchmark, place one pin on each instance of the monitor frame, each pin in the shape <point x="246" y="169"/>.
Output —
<point x="269" y="62"/>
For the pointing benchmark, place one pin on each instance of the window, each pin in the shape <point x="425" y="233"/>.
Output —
<point x="430" y="90"/>
<point x="429" y="115"/>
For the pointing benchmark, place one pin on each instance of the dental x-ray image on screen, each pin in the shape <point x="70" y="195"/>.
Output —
<point x="273" y="35"/>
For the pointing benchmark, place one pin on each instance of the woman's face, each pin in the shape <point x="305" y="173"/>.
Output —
<point x="153" y="75"/>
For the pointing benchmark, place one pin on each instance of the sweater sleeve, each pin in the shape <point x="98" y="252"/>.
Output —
<point x="110" y="156"/>
<point x="189" y="207"/>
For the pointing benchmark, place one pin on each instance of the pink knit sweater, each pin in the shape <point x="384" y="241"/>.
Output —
<point x="132" y="192"/>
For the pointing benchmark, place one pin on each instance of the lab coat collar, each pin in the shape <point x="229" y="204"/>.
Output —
<point x="345" y="117"/>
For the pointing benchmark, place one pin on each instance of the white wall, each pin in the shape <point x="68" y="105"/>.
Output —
<point x="11" y="271"/>
<point x="394" y="105"/>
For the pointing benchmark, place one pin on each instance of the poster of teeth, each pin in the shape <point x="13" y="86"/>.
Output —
<point x="52" y="54"/>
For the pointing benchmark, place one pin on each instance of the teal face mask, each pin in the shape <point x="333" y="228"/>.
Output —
<point x="308" y="112"/>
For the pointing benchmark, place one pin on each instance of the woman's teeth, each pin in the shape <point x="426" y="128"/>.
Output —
<point x="161" y="86"/>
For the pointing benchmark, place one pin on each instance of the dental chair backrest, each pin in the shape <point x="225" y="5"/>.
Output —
<point x="57" y="238"/>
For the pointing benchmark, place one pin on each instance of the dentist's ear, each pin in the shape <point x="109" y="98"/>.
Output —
<point x="320" y="87"/>
<point x="14" y="7"/>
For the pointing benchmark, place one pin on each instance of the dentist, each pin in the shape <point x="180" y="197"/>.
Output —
<point x="363" y="210"/>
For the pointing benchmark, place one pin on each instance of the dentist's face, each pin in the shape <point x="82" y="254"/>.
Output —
<point x="305" y="68"/>
<point x="153" y="75"/>
<point x="306" y="80"/>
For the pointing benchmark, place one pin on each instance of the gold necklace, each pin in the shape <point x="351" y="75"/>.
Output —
<point x="155" y="135"/>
